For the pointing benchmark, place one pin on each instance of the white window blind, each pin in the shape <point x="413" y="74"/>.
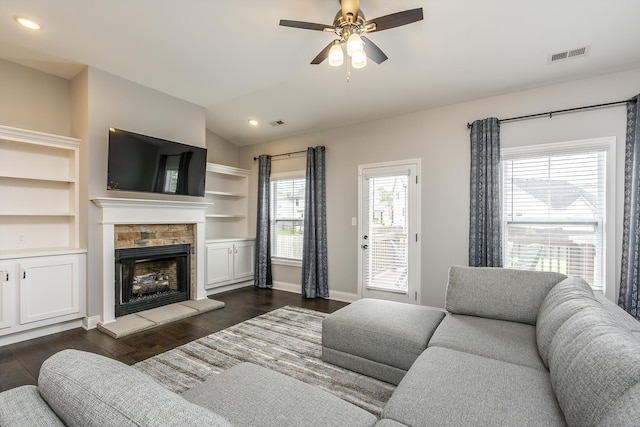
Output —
<point x="287" y="218"/>
<point x="387" y="233"/>
<point x="554" y="211"/>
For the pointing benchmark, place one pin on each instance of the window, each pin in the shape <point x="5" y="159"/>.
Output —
<point x="287" y="216"/>
<point x="555" y="208"/>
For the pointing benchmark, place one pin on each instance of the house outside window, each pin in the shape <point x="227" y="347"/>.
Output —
<point x="287" y="216"/>
<point x="557" y="203"/>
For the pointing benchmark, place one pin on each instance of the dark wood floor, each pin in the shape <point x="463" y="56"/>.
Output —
<point x="20" y="362"/>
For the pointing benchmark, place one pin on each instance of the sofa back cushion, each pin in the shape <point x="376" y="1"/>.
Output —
<point x="498" y="293"/>
<point x="23" y="406"/>
<point x="593" y="364"/>
<point x="88" y="389"/>
<point x="563" y="301"/>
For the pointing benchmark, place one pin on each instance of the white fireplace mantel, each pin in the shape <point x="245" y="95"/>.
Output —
<point x="115" y="211"/>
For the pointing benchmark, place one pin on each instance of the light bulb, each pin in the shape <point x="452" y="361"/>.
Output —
<point x="354" y="45"/>
<point x="336" y="56"/>
<point x="359" y="60"/>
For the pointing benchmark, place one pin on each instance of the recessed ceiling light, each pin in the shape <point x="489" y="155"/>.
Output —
<point x="253" y="122"/>
<point x="27" y="23"/>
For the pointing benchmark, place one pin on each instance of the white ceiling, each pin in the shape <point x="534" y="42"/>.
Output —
<point x="233" y="58"/>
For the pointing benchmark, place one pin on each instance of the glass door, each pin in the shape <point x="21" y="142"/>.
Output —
<point x="388" y="233"/>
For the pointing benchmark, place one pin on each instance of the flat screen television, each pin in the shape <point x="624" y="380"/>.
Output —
<point x="153" y="165"/>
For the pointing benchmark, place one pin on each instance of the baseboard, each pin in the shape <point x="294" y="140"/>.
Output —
<point x="334" y="295"/>
<point x="90" y="322"/>
<point x="231" y="287"/>
<point x="39" y="332"/>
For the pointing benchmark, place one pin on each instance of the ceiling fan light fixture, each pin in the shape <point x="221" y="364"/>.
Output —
<point x="355" y="45"/>
<point x="336" y="56"/>
<point x="359" y="60"/>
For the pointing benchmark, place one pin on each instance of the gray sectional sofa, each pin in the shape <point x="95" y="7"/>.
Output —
<point x="512" y="348"/>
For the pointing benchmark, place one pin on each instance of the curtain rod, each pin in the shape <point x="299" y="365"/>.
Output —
<point x="284" y="154"/>
<point x="568" y="110"/>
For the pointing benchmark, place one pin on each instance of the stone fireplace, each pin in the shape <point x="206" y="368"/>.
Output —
<point x="154" y="226"/>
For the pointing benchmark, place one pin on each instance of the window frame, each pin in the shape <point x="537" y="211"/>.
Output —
<point x="607" y="144"/>
<point x="283" y="176"/>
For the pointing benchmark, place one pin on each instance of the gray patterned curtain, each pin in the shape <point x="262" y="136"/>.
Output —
<point x="485" y="234"/>
<point x="629" y="277"/>
<point x="315" y="281"/>
<point x="262" y="276"/>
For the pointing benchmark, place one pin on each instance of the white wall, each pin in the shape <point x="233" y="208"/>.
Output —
<point x="220" y="151"/>
<point x="441" y="139"/>
<point x="114" y="102"/>
<point x="33" y="100"/>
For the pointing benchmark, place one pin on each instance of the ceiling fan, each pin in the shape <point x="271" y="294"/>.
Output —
<point x="350" y="25"/>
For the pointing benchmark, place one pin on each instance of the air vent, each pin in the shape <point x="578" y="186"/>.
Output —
<point x="276" y="123"/>
<point x="568" y="54"/>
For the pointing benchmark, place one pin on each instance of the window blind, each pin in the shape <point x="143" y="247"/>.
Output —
<point x="287" y="217"/>
<point x="554" y="207"/>
<point x="387" y="228"/>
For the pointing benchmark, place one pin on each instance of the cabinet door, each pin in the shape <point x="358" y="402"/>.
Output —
<point x="8" y="303"/>
<point x="219" y="264"/>
<point x="49" y="287"/>
<point x="243" y="260"/>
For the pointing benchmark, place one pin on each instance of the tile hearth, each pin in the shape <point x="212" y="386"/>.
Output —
<point x="143" y="320"/>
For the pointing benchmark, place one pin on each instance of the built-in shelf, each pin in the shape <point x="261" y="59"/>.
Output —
<point x="227" y="188"/>
<point x="39" y="191"/>
<point x="29" y="213"/>
<point x="43" y="287"/>
<point x="225" y="193"/>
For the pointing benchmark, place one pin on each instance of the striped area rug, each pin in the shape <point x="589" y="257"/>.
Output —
<point x="286" y="340"/>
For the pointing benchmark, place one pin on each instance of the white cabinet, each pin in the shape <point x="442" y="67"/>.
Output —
<point x="230" y="253"/>
<point x="229" y="262"/>
<point x="49" y="287"/>
<point x="41" y="291"/>
<point x="8" y="286"/>
<point x="42" y="268"/>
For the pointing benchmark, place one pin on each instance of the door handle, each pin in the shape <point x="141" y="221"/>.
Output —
<point x="5" y="275"/>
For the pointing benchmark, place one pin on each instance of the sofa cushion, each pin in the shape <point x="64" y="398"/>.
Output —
<point x="23" y="406"/>
<point x="498" y="293"/>
<point x="88" y="389"/>
<point x="626" y="410"/>
<point x="250" y="395"/>
<point x="498" y="339"/>
<point x="450" y="388"/>
<point x="386" y="332"/>
<point x="593" y="363"/>
<point x="620" y="316"/>
<point x="563" y="301"/>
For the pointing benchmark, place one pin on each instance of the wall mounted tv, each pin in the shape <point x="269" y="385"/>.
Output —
<point x="147" y="164"/>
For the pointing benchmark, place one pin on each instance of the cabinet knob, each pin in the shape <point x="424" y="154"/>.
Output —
<point x="5" y="276"/>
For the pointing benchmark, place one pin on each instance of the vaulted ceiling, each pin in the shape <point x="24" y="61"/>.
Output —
<point x="234" y="59"/>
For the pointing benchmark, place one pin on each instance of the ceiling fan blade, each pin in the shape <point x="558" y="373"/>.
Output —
<point x="393" y="20"/>
<point x="373" y="52"/>
<point x="324" y="54"/>
<point x="350" y="6"/>
<point x="306" y="25"/>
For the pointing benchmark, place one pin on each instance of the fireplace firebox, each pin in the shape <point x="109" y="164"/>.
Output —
<point x="150" y="277"/>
